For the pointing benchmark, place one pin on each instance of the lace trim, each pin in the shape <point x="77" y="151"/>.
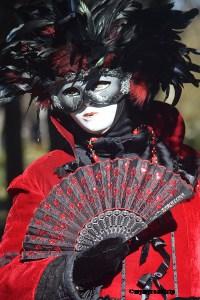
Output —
<point x="123" y="287"/>
<point x="174" y="264"/>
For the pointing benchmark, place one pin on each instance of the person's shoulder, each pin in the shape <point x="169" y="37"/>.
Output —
<point x="48" y="161"/>
<point x="41" y="173"/>
<point x="169" y="126"/>
<point x="167" y="123"/>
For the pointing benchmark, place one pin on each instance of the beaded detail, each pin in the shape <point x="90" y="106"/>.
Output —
<point x="136" y="131"/>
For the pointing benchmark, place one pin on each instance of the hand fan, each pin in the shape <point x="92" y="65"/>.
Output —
<point x="110" y="198"/>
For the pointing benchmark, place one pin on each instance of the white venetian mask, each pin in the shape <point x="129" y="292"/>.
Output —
<point x="96" y="120"/>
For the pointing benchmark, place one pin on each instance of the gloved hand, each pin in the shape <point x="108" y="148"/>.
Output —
<point x="98" y="265"/>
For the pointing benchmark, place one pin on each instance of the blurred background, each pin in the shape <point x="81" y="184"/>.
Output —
<point x="23" y="139"/>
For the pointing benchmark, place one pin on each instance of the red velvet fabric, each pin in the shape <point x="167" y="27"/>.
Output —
<point x="19" y="280"/>
<point x="187" y="243"/>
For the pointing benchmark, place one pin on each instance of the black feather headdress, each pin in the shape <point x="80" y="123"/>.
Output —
<point x="49" y="37"/>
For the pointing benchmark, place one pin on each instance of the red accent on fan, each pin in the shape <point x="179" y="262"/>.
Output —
<point x="110" y="198"/>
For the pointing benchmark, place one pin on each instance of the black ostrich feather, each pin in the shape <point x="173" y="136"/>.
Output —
<point x="144" y="39"/>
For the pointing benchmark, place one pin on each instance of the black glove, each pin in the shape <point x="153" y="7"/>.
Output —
<point x="98" y="265"/>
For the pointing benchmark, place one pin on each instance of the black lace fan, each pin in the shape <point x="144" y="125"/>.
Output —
<point x="111" y="198"/>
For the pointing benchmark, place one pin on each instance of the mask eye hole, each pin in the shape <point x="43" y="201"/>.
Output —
<point x="72" y="92"/>
<point x="101" y="85"/>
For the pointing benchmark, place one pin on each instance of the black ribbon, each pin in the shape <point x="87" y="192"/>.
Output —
<point x="144" y="253"/>
<point x="120" y="146"/>
<point x="67" y="168"/>
<point x="147" y="280"/>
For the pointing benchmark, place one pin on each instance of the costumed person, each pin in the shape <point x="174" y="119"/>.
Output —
<point x="97" y="67"/>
